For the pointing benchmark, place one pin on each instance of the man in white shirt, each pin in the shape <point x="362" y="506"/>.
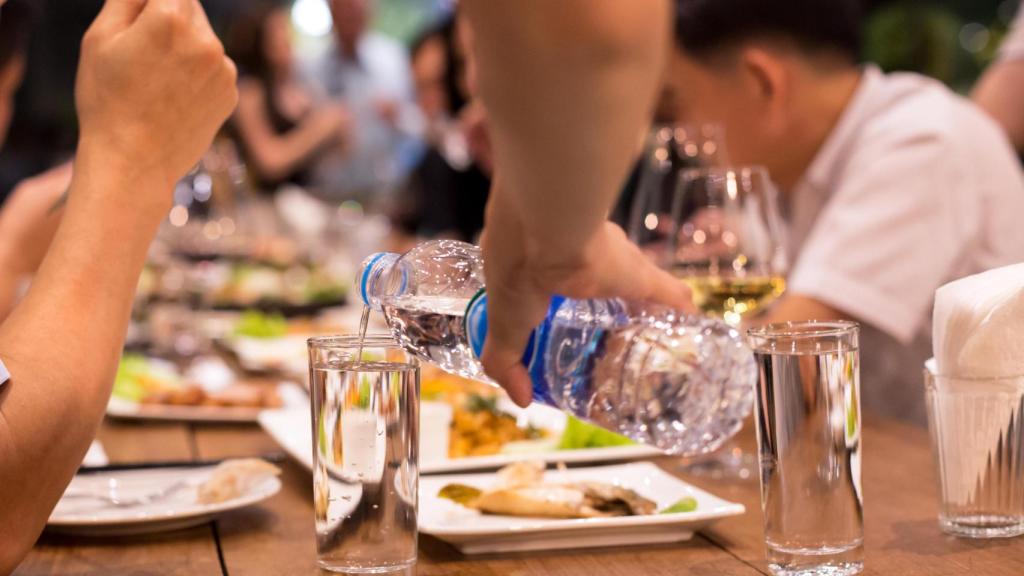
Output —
<point x="893" y="184"/>
<point x="1001" y="90"/>
<point x="370" y="74"/>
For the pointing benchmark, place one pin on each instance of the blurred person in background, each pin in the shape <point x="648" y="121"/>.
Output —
<point x="369" y="73"/>
<point x="27" y="218"/>
<point x="153" y="87"/>
<point x="1000" y="92"/>
<point x="892" y="184"/>
<point x="280" y="128"/>
<point x="446" y="193"/>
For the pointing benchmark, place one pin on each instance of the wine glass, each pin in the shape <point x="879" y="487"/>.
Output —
<point x="726" y="240"/>
<point x="668" y="150"/>
<point x="719" y="229"/>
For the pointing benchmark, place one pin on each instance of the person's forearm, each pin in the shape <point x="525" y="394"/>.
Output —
<point x="276" y="157"/>
<point x="62" y="343"/>
<point x="1000" y="92"/>
<point x="568" y="87"/>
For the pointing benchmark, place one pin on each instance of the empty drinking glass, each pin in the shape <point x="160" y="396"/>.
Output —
<point x="978" y="437"/>
<point x="365" y="448"/>
<point x="808" y="432"/>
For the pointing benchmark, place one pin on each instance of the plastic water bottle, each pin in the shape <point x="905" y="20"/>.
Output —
<point x="681" y="383"/>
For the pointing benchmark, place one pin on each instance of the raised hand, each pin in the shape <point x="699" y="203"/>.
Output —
<point x="154" y="87"/>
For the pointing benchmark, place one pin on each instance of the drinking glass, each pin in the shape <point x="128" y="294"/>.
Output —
<point x="978" y="440"/>
<point x="365" y="398"/>
<point x="668" y="150"/>
<point x="808" y="434"/>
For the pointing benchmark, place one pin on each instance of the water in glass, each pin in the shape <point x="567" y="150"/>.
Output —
<point x="365" y="463"/>
<point x="808" y="426"/>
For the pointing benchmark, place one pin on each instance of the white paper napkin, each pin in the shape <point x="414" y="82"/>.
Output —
<point x="978" y="325"/>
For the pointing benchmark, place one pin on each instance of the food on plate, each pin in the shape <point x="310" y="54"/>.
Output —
<point x="522" y="491"/>
<point x="480" y="428"/>
<point x="579" y="435"/>
<point x="251" y="284"/>
<point x="238" y="395"/>
<point x="138" y="377"/>
<point x="148" y="381"/>
<point x="234" y="478"/>
<point x="256" y="324"/>
<point x="688" y="504"/>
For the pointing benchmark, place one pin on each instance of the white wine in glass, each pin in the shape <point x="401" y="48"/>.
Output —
<point x="733" y="298"/>
<point x="726" y="241"/>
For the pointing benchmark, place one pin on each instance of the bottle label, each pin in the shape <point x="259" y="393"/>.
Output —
<point x="475" y="321"/>
<point x="476" y="329"/>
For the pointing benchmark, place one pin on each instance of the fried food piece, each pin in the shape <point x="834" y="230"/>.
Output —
<point x="234" y="478"/>
<point x="521" y="491"/>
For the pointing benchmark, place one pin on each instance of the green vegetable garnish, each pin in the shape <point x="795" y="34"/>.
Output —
<point x="127" y="382"/>
<point x="137" y="377"/>
<point x="459" y="493"/>
<point x="687" y="504"/>
<point x="480" y="403"/>
<point x="255" y="324"/>
<point x="579" y="435"/>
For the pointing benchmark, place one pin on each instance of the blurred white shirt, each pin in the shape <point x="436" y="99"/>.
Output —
<point x="913" y="188"/>
<point x="378" y="73"/>
<point x="1012" y="47"/>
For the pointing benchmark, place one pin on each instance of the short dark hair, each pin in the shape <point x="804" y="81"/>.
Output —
<point x="703" y="27"/>
<point x="16" y="18"/>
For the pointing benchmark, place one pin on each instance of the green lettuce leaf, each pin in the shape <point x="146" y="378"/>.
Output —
<point x="579" y="435"/>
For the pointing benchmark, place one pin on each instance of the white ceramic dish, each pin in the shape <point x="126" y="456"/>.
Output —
<point x="293" y="397"/>
<point x="291" y="428"/>
<point x="287" y="354"/>
<point x="179" y="509"/>
<point x="475" y="533"/>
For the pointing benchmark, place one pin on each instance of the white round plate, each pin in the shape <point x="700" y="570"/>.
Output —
<point x="82" y="515"/>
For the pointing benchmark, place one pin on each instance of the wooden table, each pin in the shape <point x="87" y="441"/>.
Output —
<point x="276" y="538"/>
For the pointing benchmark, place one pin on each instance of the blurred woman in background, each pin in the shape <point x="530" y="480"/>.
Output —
<point x="447" y="191"/>
<point x="279" y="128"/>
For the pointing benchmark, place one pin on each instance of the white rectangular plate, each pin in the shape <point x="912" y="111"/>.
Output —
<point x="293" y="396"/>
<point x="291" y="428"/>
<point x="475" y="533"/>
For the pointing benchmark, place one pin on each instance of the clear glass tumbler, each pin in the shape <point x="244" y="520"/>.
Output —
<point x="808" y="433"/>
<point x="365" y="449"/>
<point x="978" y="440"/>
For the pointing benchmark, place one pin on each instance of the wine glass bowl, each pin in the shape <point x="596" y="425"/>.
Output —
<point x="726" y="240"/>
<point x="668" y="150"/>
